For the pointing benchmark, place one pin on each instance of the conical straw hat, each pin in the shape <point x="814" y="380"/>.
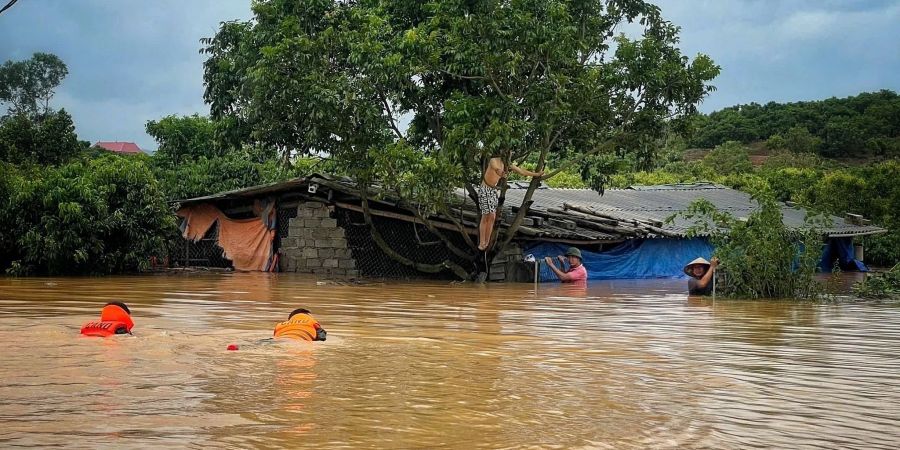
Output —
<point x="687" y="268"/>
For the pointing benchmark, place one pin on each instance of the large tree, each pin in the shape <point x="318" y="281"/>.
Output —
<point x="414" y="95"/>
<point x="183" y="139"/>
<point x="31" y="132"/>
<point x="26" y="87"/>
<point x="47" y="139"/>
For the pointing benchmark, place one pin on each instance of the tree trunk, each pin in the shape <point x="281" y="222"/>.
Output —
<point x="379" y="240"/>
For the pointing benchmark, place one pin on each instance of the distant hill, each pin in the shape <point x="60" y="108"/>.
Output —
<point x="864" y="125"/>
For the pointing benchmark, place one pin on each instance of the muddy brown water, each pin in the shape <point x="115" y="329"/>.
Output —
<point x="625" y="364"/>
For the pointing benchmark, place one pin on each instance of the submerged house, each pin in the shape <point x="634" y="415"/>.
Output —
<point x="316" y="225"/>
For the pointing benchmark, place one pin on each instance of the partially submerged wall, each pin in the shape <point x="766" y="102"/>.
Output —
<point x="337" y="243"/>
<point x="316" y="244"/>
<point x="509" y="267"/>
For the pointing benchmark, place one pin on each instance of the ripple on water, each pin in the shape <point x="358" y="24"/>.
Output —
<point x="617" y="365"/>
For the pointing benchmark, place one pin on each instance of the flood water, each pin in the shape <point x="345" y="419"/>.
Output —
<point x="625" y="364"/>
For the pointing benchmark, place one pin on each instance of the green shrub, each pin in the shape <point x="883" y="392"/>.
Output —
<point x="841" y="192"/>
<point x="792" y="184"/>
<point x="799" y="140"/>
<point x="729" y="158"/>
<point x="567" y="180"/>
<point x="237" y="169"/>
<point x="100" y="216"/>
<point x="760" y="256"/>
<point x="783" y="159"/>
<point x="880" y="285"/>
<point x="45" y="139"/>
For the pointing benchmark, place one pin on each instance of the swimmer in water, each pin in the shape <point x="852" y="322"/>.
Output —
<point x="115" y="318"/>
<point x="302" y="326"/>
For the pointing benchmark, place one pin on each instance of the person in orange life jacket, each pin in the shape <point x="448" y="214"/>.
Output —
<point x="576" y="271"/>
<point x="115" y="318"/>
<point x="301" y="325"/>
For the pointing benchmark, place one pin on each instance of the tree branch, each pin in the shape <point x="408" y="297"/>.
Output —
<point x="459" y="226"/>
<point x="450" y="246"/>
<point x="464" y="77"/>
<point x="379" y="240"/>
<point x="604" y="146"/>
<point x="390" y="115"/>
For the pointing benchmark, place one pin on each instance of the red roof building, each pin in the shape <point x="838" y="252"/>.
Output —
<point x="129" y="148"/>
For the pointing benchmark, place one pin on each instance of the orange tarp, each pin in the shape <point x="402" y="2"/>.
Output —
<point x="246" y="242"/>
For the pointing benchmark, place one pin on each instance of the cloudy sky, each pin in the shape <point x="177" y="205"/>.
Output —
<point x="131" y="61"/>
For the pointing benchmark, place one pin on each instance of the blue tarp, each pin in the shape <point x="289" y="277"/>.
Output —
<point x="635" y="258"/>
<point x="665" y="258"/>
<point x="840" y="249"/>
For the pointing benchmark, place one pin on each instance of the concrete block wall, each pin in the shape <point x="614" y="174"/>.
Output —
<point x="505" y="264"/>
<point x="316" y="244"/>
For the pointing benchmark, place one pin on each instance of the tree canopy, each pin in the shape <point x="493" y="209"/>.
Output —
<point x="865" y="124"/>
<point x="26" y="87"/>
<point x="183" y="139"/>
<point x="46" y="139"/>
<point x="414" y="95"/>
<point x="31" y="132"/>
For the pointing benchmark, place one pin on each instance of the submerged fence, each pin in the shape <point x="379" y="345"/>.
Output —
<point x="203" y="253"/>
<point x="408" y="239"/>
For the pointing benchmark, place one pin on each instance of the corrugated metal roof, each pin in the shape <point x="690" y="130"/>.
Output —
<point x="250" y="192"/>
<point x="648" y="204"/>
<point x="277" y="187"/>
<point x="658" y="203"/>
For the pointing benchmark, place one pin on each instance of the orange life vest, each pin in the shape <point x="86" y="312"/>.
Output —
<point x="302" y="326"/>
<point x="104" y="329"/>
<point x="113" y="320"/>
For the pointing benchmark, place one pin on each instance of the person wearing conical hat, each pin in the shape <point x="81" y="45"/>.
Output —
<point x="576" y="271"/>
<point x="701" y="272"/>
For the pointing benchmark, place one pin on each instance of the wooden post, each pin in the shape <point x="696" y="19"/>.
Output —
<point x="715" y="275"/>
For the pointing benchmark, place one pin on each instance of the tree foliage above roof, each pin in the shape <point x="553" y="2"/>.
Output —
<point x="417" y="94"/>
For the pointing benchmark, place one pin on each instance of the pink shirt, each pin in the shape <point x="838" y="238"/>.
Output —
<point x="577" y="273"/>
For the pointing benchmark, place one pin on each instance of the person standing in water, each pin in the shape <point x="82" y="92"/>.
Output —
<point x="489" y="196"/>
<point x="701" y="272"/>
<point x="576" y="271"/>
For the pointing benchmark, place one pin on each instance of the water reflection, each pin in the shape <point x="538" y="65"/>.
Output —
<point x="616" y="364"/>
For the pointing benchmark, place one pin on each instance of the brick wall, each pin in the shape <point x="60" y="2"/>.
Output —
<point x="316" y="244"/>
